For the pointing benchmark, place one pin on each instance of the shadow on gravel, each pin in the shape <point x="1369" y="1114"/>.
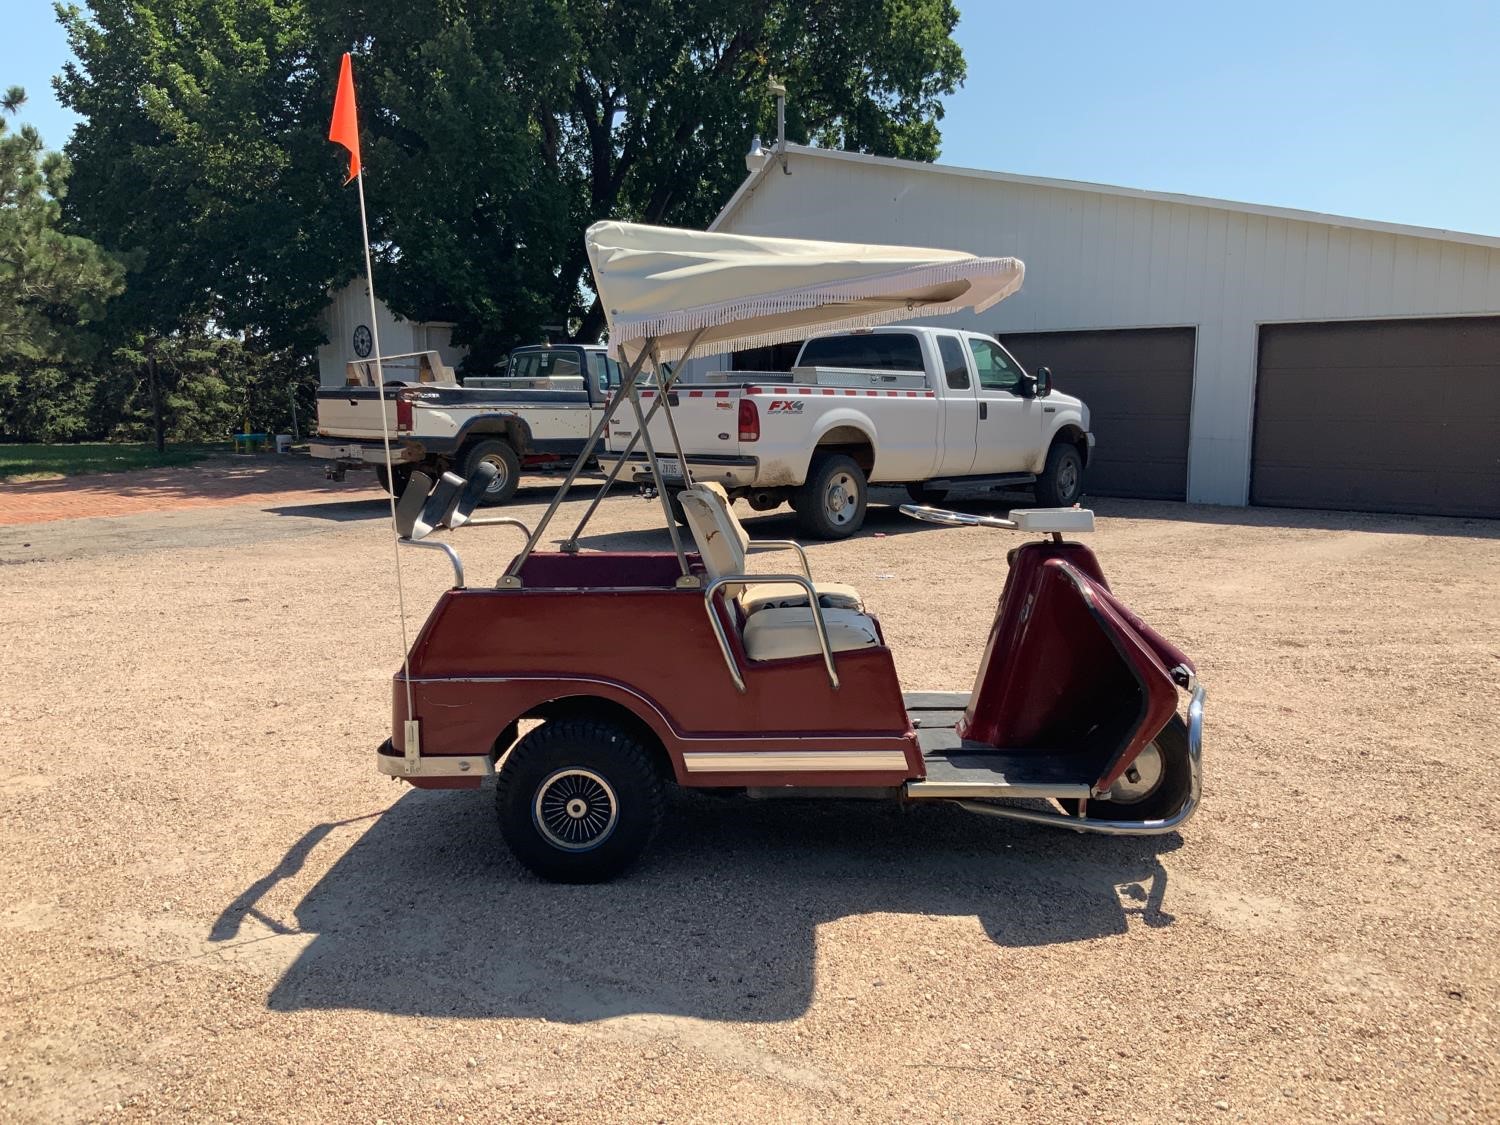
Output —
<point x="428" y="914"/>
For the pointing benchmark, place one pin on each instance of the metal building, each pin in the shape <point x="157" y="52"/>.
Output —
<point x="1230" y="353"/>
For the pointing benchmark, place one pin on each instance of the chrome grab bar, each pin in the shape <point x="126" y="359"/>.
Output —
<point x="783" y="545"/>
<point x="435" y="545"/>
<point x="498" y="521"/>
<point x="954" y="519"/>
<point x="718" y="585"/>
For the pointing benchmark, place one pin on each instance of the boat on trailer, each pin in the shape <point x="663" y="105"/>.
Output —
<point x="1081" y="716"/>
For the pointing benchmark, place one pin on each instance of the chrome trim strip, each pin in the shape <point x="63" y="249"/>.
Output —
<point x="1123" y="827"/>
<point x="808" y="761"/>
<point x="436" y="765"/>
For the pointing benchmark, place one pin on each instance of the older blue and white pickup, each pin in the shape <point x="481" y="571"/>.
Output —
<point x="535" y="418"/>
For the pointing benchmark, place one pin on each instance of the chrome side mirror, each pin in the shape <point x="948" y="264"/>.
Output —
<point x="1043" y="382"/>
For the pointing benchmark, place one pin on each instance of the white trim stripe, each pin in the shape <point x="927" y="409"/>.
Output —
<point x="794" y="761"/>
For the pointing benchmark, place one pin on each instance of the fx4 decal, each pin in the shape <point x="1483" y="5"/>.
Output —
<point x="786" y="406"/>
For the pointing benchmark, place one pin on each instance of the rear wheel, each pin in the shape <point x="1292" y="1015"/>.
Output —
<point x="1154" y="786"/>
<point x="1061" y="482"/>
<point x="507" y="469"/>
<point x="578" y="800"/>
<point x="674" y="501"/>
<point x="831" y="505"/>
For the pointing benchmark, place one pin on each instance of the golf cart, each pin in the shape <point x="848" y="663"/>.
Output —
<point x="771" y="684"/>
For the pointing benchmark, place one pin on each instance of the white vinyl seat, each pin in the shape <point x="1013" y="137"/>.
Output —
<point x="723" y="543"/>
<point x="778" y="634"/>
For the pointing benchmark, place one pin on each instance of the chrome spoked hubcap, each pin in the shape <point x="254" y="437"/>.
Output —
<point x="1140" y="778"/>
<point x="575" y="810"/>
<point x="842" y="499"/>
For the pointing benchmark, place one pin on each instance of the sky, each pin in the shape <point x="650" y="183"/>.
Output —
<point x="1377" y="110"/>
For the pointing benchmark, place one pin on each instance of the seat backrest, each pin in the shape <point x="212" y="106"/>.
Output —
<point x="721" y="540"/>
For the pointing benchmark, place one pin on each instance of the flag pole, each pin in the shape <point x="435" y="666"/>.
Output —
<point x="413" y="737"/>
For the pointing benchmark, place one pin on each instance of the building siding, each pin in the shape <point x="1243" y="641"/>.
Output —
<point x="1100" y="259"/>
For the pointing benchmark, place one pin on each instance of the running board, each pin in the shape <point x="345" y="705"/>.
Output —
<point x="1002" y="480"/>
<point x="992" y="773"/>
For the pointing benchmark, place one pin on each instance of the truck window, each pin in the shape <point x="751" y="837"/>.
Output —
<point x="606" y="371"/>
<point x="882" y="351"/>
<point x="996" y="371"/>
<point x="955" y="367"/>
<point x="544" y="363"/>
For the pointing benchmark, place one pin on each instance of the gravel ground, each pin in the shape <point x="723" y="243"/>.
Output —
<point x="215" y="909"/>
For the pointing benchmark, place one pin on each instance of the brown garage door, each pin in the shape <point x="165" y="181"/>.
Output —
<point x="1138" y="384"/>
<point x="1379" y="416"/>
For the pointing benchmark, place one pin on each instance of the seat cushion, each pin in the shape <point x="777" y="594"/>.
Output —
<point x="778" y="634"/>
<point x="770" y="595"/>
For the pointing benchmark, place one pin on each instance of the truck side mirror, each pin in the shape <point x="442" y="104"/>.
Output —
<point x="1026" y="386"/>
<point x="1043" y="381"/>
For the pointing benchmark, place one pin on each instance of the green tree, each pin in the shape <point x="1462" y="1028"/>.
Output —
<point x="53" y="289"/>
<point x="495" y="132"/>
<point x="505" y="128"/>
<point x="52" y="284"/>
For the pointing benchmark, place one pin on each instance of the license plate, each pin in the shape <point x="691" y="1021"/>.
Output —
<point x="670" y="469"/>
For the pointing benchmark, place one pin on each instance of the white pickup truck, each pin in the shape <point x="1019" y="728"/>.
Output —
<point x="930" y="408"/>
<point x="536" y="416"/>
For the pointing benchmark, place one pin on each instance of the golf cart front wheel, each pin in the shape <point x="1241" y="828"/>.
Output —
<point x="1154" y="786"/>
<point x="578" y="800"/>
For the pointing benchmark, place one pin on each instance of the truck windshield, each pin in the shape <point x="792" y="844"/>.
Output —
<point x="883" y="351"/>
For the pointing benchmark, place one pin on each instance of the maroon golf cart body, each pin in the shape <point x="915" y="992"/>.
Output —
<point x="1076" y="700"/>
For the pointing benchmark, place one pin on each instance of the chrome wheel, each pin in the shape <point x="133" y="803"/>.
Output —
<point x="1140" y="778"/>
<point x="575" y="809"/>
<point x="841" y="500"/>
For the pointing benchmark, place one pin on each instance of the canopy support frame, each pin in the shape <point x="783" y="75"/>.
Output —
<point x="511" y="579"/>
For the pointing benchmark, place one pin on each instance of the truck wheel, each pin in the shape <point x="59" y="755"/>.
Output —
<point x="402" y="475"/>
<point x="831" y="505"/>
<point x="1156" y="784"/>
<point x="1061" y="482"/>
<point x="921" y="494"/>
<point x="507" y="469"/>
<point x="578" y="800"/>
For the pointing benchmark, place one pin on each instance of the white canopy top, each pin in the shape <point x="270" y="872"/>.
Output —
<point x="748" y="292"/>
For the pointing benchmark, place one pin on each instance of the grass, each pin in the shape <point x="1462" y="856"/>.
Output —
<point x="51" y="462"/>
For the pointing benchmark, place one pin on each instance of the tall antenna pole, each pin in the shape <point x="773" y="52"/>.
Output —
<point x="390" y="473"/>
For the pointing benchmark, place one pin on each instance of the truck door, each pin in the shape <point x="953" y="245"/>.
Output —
<point x="960" y="409"/>
<point x="1010" y="426"/>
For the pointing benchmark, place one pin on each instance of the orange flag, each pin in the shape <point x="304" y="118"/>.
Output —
<point x="345" y="127"/>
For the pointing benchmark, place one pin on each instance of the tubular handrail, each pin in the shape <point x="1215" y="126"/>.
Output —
<point x="437" y="545"/>
<point x="718" y="584"/>
<point x="783" y="545"/>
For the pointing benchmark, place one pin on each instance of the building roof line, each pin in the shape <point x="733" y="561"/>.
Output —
<point x="752" y="181"/>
